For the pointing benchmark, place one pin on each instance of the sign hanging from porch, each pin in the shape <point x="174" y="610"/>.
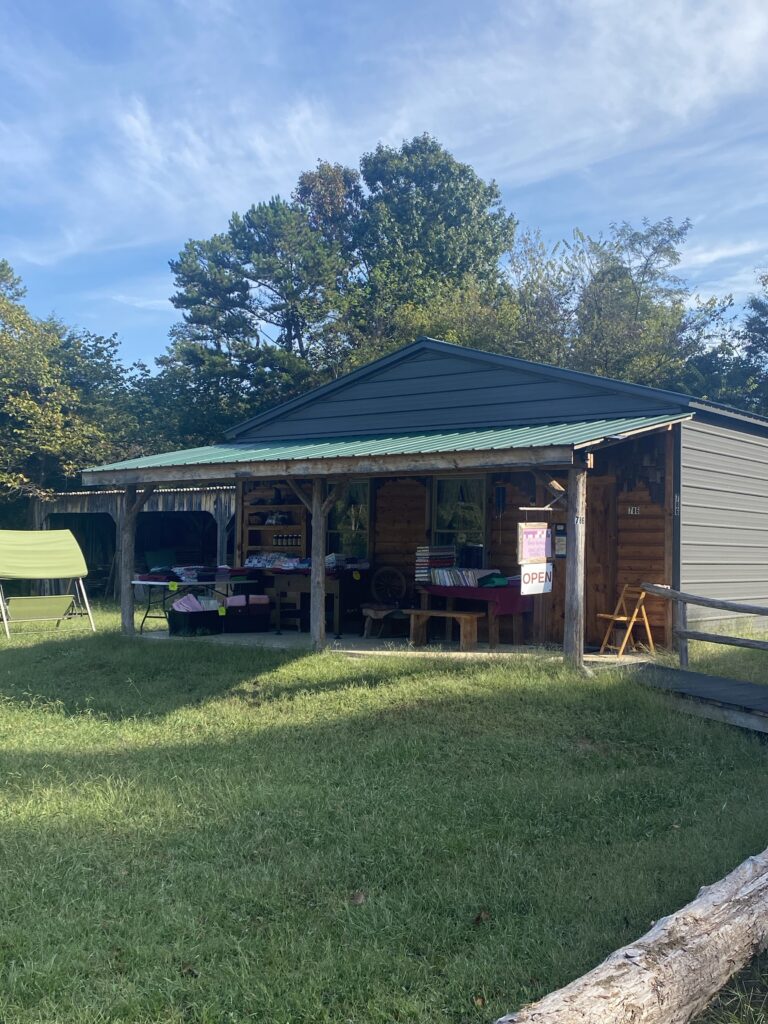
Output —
<point x="536" y="579"/>
<point x="534" y="543"/>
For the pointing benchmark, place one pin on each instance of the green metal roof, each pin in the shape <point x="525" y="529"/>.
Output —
<point x="539" y="436"/>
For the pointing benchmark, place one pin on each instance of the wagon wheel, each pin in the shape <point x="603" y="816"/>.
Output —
<point x="388" y="585"/>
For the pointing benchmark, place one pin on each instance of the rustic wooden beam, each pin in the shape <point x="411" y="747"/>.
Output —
<point x="705" y="602"/>
<point x="720" y="638"/>
<point x="300" y="493"/>
<point x="370" y="465"/>
<point x="317" y="577"/>
<point x="670" y="974"/>
<point x="132" y="505"/>
<point x="573" y="637"/>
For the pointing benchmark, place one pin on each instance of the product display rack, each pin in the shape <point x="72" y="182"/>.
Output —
<point x="273" y="520"/>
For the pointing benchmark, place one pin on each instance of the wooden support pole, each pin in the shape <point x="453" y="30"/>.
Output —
<point x="573" y="637"/>
<point x="319" y="509"/>
<point x="133" y="504"/>
<point x="670" y="974"/>
<point x="317" y="579"/>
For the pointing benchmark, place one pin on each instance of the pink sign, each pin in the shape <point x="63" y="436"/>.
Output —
<point x="534" y="543"/>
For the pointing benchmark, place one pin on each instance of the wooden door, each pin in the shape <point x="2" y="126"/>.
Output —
<point x="601" y="556"/>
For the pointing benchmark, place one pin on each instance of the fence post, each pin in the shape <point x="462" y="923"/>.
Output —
<point x="681" y="623"/>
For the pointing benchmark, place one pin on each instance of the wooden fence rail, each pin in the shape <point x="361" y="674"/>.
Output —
<point x="680" y="619"/>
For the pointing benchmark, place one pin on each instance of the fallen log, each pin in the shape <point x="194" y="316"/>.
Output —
<point x="672" y="972"/>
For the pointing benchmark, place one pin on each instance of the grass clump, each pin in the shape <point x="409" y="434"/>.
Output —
<point x="193" y="834"/>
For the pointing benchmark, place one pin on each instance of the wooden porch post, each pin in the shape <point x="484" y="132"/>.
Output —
<point x="132" y="505"/>
<point x="221" y="518"/>
<point x="319" y="510"/>
<point x="573" y="637"/>
<point x="317" y="580"/>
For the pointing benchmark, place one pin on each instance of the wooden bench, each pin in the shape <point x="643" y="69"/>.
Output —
<point x="467" y="625"/>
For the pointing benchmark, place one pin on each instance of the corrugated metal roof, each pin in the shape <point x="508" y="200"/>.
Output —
<point x="538" y="436"/>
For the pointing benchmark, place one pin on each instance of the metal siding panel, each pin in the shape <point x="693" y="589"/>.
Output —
<point x="360" y="420"/>
<point x="437" y="390"/>
<point x="724" y="520"/>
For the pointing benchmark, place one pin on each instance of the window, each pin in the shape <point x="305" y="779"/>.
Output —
<point x="348" y="521"/>
<point x="459" y="517"/>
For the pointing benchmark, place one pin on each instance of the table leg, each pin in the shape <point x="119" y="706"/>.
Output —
<point x="147" y="609"/>
<point x="418" y="630"/>
<point x="449" y="606"/>
<point x="493" y="626"/>
<point x="336" y="598"/>
<point x="468" y="634"/>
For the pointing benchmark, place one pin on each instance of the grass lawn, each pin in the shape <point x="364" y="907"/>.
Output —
<point x="198" y="834"/>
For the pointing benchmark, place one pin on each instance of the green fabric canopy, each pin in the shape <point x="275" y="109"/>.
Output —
<point x="40" y="555"/>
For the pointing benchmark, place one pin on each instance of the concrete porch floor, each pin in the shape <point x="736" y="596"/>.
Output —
<point x="357" y="646"/>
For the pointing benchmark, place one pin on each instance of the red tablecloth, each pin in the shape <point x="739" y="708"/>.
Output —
<point x="508" y="600"/>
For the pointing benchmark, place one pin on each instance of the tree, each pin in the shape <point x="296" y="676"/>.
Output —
<point x="613" y="305"/>
<point x="429" y="220"/>
<point x="469" y="313"/>
<point x="322" y="277"/>
<point x="271" y="279"/>
<point x="43" y="439"/>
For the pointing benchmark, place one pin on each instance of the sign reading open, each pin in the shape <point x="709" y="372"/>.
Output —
<point x="536" y="579"/>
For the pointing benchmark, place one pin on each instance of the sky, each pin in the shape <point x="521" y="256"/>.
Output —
<point x="127" y="128"/>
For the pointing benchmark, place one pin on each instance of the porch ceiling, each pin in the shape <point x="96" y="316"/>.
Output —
<point x="540" y="444"/>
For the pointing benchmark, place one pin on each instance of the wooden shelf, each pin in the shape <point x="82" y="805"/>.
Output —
<point x="257" y="502"/>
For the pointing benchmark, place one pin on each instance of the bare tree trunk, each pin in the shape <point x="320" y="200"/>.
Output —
<point x="672" y="972"/>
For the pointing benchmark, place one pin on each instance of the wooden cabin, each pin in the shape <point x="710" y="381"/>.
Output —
<point x="438" y="444"/>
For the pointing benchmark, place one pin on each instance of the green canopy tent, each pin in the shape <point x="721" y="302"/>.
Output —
<point x="42" y="555"/>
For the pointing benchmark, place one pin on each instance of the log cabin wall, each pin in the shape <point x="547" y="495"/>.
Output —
<point x="644" y="511"/>
<point x="401" y="514"/>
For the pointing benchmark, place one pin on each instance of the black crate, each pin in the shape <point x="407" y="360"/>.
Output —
<point x="250" y="619"/>
<point x="206" y="623"/>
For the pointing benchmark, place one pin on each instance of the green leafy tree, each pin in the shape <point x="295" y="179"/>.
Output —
<point x="43" y="438"/>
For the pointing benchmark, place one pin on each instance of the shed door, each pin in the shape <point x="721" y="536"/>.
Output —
<point x="601" y="554"/>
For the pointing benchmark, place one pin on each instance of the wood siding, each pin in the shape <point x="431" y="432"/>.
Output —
<point x="723" y="516"/>
<point x="446" y="390"/>
<point x="400" y="517"/>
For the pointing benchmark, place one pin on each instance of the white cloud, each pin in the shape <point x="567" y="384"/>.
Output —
<point x="210" y="109"/>
<point x="704" y="256"/>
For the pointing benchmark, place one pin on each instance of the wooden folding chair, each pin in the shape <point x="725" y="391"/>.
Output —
<point x="630" y="615"/>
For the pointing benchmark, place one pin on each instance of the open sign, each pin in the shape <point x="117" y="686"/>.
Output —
<point x="536" y="579"/>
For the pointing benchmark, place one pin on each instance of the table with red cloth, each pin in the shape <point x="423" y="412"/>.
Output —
<point x="500" y="601"/>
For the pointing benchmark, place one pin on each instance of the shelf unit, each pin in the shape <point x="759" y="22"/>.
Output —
<point x="261" y="502"/>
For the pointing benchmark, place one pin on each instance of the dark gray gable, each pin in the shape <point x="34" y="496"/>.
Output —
<point x="434" y="386"/>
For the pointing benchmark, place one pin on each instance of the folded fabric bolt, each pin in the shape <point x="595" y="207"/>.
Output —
<point x="188" y="603"/>
<point x="238" y="601"/>
<point x="258" y="599"/>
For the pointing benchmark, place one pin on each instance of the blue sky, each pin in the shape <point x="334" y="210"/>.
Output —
<point x="126" y="128"/>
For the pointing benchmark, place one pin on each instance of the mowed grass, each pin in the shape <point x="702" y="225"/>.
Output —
<point x="198" y="834"/>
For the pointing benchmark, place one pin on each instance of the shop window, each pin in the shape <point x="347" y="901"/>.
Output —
<point x="459" y="517"/>
<point x="348" y="521"/>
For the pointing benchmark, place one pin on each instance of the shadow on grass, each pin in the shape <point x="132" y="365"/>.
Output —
<point x="730" y="662"/>
<point x="116" y="677"/>
<point x="184" y="881"/>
